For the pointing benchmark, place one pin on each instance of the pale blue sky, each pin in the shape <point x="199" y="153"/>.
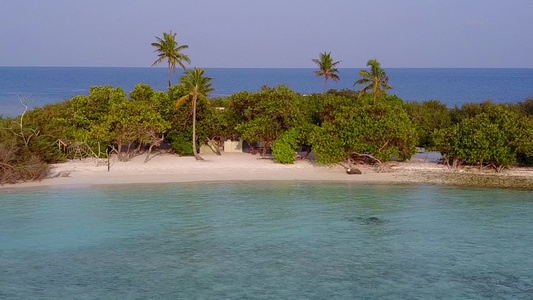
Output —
<point x="271" y="33"/>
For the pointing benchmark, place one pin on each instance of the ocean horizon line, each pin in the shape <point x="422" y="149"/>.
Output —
<point x="452" y="86"/>
<point x="272" y="68"/>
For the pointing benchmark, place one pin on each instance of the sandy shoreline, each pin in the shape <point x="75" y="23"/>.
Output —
<point x="168" y="168"/>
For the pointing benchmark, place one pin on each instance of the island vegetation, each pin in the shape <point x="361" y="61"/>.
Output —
<point x="348" y="125"/>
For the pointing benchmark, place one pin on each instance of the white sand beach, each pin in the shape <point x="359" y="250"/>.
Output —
<point x="172" y="168"/>
<point x="168" y="168"/>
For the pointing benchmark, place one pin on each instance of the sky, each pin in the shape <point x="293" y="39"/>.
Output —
<point x="269" y="33"/>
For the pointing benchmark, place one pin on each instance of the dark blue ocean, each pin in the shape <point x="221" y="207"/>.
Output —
<point x="451" y="86"/>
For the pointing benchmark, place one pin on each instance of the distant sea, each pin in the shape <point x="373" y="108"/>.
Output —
<point x="451" y="86"/>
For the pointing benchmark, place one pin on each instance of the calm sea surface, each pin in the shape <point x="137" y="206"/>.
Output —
<point x="451" y="86"/>
<point x="275" y="241"/>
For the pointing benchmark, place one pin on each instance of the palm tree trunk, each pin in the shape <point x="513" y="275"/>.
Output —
<point x="375" y="91"/>
<point x="325" y="86"/>
<point x="198" y="157"/>
<point x="169" y="73"/>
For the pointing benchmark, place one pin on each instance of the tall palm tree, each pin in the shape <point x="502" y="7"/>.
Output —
<point x="197" y="86"/>
<point x="168" y="48"/>
<point x="376" y="79"/>
<point x="327" y="68"/>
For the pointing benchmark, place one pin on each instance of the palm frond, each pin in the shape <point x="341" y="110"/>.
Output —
<point x="362" y="81"/>
<point x="194" y="81"/>
<point x="365" y="74"/>
<point x="181" y="101"/>
<point x="168" y="48"/>
<point x="375" y="78"/>
<point x="326" y="67"/>
<point x="160" y="59"/>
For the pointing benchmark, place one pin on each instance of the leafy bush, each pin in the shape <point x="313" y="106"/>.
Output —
<point x="526" y="106"/>
<point x="493" y="137"/>
<point x="264" y="115"/>
<point x="284" y="148"/>
<point x="181" y="142"/>
<point x="383" y="130"/>
<point x="427" y="117"/>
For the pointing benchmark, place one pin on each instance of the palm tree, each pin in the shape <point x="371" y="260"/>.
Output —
<point x="327" y="68"/>
<point x="197" y="86"/>
<point x="377" y="79"/>
<point x="167" y="48"/>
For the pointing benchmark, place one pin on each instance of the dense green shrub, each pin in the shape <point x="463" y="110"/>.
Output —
<point x="526" y="106"/>
<point x="181" y="142"/>
<point x="334" y="125"/>
<point x="285" y="146"/>
<point x="264" y="115"/>
<point x="428" y="116"/>
<point x="383" y="130"/>
<point x="493" y="137"/>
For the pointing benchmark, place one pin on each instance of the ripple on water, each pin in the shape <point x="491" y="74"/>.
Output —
<point x="276" y="240"/>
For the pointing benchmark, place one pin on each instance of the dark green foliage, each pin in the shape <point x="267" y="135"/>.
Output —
<point x="107" y="118"/>
<point x="92" y="110"/>
<point x="264" y="115"/>
<point x="307" y="118"/>
<point x="428" y="116"/>
<point x="163" y="104"/>
<point x="234" y="111"/>
<point x="129" y="122"/>
<point x="52" y="121"/>
<point x="284" y="148"/>
<point x="335" y="126"/>
<point x="220" y="101"/>
<point x="181" y="142"/>
<point x="329" y="144"/>
<point x="90" y="114"/>
<point x="213" y="125"/>
<point x="495" y="137"/>
<point x="526" y="106"/>
<point x="141" y="92"/>
<point x="344" y="93"/>
<point x="383" y="130"/>
<point x="329" y="104"/>
<point x="309" y="108"/>
<point x="470" y="110"/>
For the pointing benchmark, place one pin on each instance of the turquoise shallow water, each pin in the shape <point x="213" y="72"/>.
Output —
<point x="266" y="240"/>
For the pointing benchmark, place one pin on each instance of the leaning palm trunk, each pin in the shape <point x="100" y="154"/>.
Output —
<point x="198" y="157"/>
<point x="197" y="87"/>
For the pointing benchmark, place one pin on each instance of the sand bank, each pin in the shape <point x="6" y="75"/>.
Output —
<point x="169" y="168"/>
